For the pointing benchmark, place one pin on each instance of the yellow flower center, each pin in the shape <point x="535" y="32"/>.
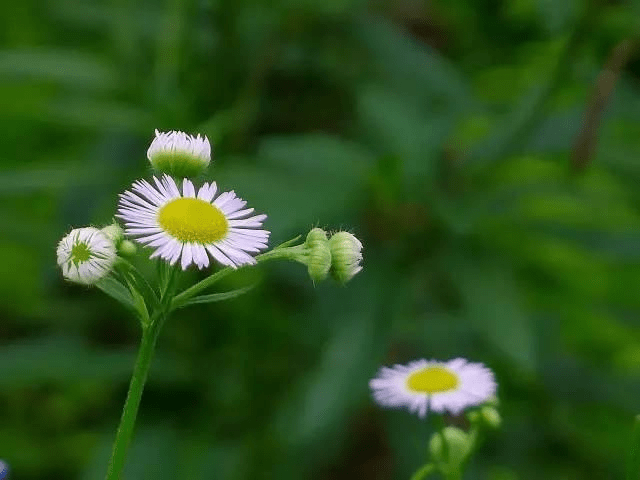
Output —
<point x="193" y="220"/>
<point x="432" y="380"/>
<point x="80" y="253"/>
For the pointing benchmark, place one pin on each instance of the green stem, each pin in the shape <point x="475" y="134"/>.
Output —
<point x="130" y="410"/>
<point x="278" y="252"/>
<point x="424" y="472"/>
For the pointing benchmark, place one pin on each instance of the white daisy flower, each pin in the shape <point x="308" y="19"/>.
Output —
<point x="431" y="385"/>
<point x="179" y="154"/>
<point x="189" y="226"/>
<point x="86" y="255"/>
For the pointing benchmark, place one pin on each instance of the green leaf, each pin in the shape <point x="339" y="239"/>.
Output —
<point x="70" y="68"/>
<point x="416" y="69"/>
<point x="494" y="306"/>
<point x="633" y="463"/>
<point x="216" y="297"/>
<point x="115" y="289"/>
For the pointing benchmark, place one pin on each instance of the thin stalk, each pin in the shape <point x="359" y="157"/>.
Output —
<point x="132" y="403"/>
<point x="424" y="472"/>
<point x="278" y="252"/>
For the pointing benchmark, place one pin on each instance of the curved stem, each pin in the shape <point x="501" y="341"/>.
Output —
<point x="130" y="410"/>
<point x="278" y="252"/>
<point x="424" y="472"/>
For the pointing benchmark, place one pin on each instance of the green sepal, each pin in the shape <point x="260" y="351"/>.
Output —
<point x="633" y="461"/>
<point x="216" y="297"/>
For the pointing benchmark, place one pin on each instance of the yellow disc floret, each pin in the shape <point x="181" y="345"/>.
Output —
<point x="193" y="220"/>
<point x="432" y="380"/>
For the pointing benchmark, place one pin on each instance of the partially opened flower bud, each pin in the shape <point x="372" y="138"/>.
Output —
<point x="318" y="254"/>
<point x="345" y="256"/>
<point x="179" y="154"/>
<point x="86" y="255"/>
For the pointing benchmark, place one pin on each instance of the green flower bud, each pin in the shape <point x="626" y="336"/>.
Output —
<point x="317" y="254"/>
<point x="491" y="416"/>
<point x="458" y="448"/>
<point x="127" y="248"/>
<point x="178" y="154"/>
<point x="114" y="232"/>
<point x="346" y="256"/>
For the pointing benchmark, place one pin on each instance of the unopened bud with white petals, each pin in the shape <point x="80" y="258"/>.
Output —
<point x="86" y="255"/>
<point x="179" y="154"/>
<point x="346" y="255"/>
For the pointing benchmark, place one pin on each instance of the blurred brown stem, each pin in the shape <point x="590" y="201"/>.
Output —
<point x="585" y="144"/>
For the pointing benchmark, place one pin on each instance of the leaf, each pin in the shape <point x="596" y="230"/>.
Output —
<point x="69" y="68"/>
<point x="400" y="127"/>
<point x="329" y="156"/>
<point x="633" y="463"/>
<point x="64" y="360"/>
<point x="416" y="69"/>
<point x="116" y="290"/>
<point x="494" y="306"/>
<point x="216" y="297"/>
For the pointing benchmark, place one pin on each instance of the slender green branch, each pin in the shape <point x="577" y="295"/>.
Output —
<point x="132" y="403"/>
<point x="182" y="298"/>
<point x="278" y="252"/>
<point x="424" y="472"/>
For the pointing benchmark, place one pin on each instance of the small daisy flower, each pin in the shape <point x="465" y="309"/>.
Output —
<point x="345" y="256"/>
<point x="86" y="255"/>
<point x="189" y="226"/>
<point x="431" y="385"/>
<point x="179" y="154"/>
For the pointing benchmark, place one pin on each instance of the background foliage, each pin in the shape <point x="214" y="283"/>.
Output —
<point x="494" y="188"/>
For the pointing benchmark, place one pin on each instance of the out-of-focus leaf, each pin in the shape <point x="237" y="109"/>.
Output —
<point x="633" y="461"/>
<point x="399" y="127"/>
<point x="65" y="360"/>
<point x="26" y="181"/>
<point x="318" y="154"/>
<point x="558" y="16"/>
<point x="416" y="69"/>
<point x="494" y="306"/>
<point x="69" y="68"/>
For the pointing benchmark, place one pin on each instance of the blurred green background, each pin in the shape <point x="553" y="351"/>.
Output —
<point x="494" y="186"/>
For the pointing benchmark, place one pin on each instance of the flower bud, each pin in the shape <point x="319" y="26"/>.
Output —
<point x="491" y="416"/>
<point x="346" y="256"/>
<point x="458" y="447"/>
<point x="127" y="248"/>
<point x="179" y="154"/>
<point x="114" y="232"/>
<point x="86" y="255"/>
<point x="318" y="254"/>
